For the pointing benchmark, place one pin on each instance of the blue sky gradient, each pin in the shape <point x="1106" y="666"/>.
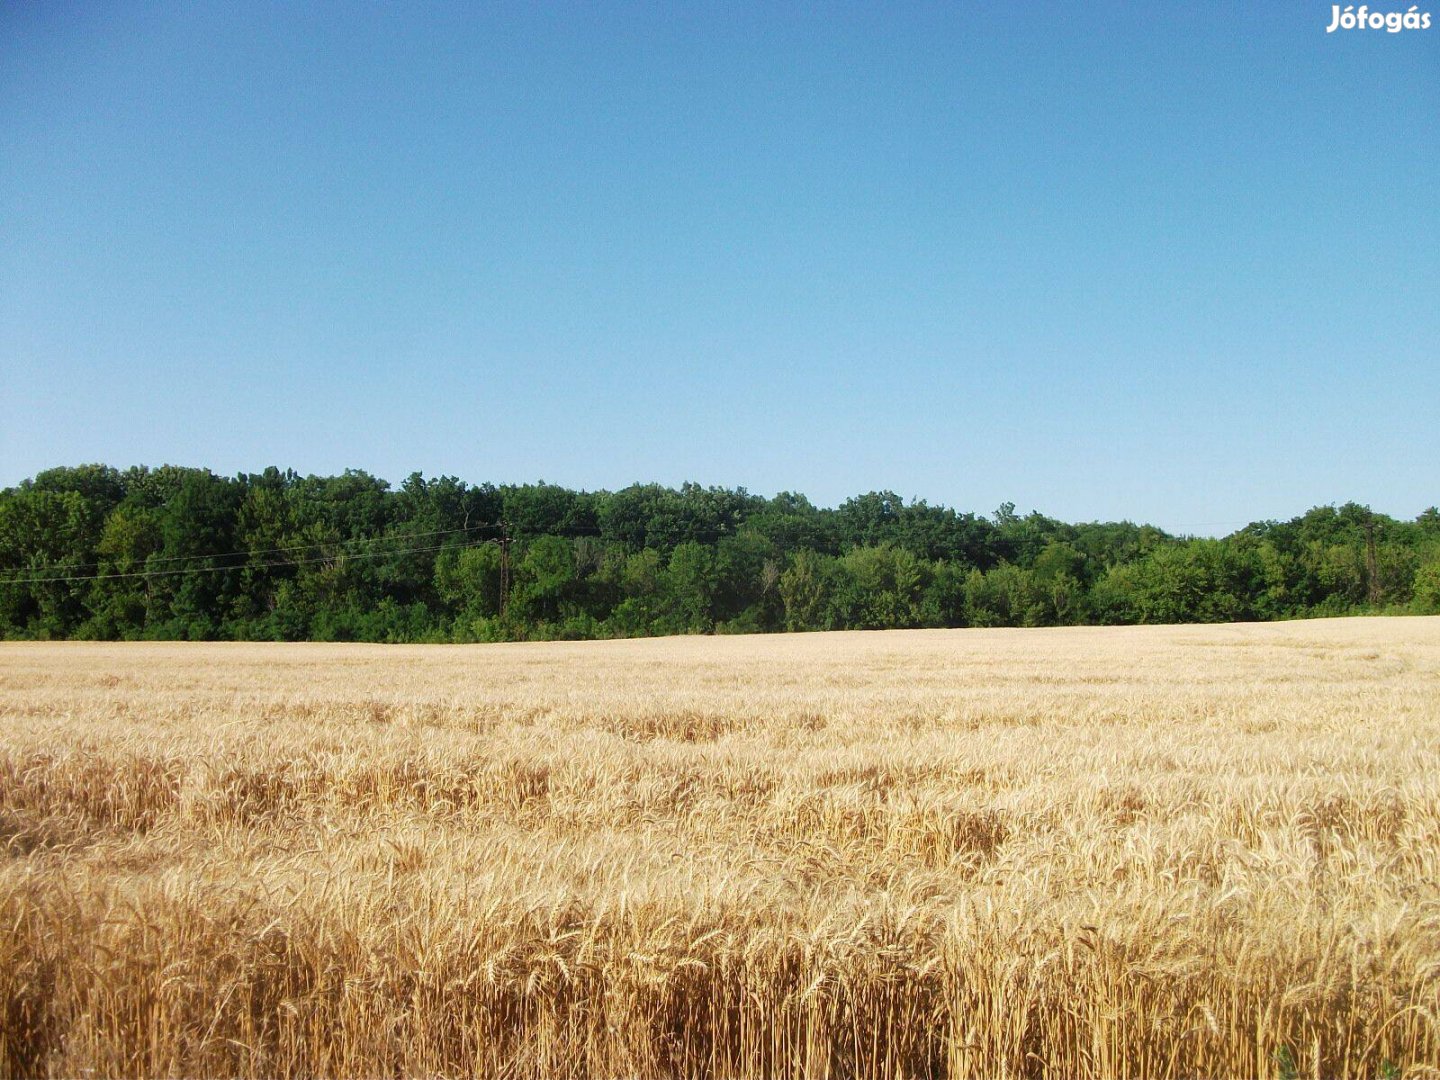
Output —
<point x="1174" y="263"/>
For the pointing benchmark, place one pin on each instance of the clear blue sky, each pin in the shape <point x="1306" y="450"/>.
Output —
<point x="1176" y="263"/>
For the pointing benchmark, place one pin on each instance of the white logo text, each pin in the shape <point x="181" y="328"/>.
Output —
<point x="1392" y="22"/>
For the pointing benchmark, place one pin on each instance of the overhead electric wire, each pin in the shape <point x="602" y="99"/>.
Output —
<point x="52" y="574"/>
<point x="571" y="530"/>
<point x="228" y="555"/>
<point x="339" y="557"/>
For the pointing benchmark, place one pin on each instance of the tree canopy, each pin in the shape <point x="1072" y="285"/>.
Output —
<point x="96" y="552"/>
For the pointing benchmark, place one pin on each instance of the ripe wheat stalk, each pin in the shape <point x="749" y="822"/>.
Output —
<point x="1157" y="852"/>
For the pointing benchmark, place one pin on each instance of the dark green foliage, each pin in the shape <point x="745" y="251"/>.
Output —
<point x="94" y="552"/>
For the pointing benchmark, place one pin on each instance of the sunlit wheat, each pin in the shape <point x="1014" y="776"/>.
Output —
<point x="1148" y="852"/>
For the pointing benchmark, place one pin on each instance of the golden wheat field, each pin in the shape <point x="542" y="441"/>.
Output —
<point x="1100" y="852"/>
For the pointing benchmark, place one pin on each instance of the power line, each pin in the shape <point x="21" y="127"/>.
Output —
<point x="55" y="574"/>
<point x="341" y="557"/>
<point x="32" y="579"/>
<point x="1192" y="524"/>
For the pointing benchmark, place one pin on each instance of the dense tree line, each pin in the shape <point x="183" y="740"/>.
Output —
<point x="95" y="552"/>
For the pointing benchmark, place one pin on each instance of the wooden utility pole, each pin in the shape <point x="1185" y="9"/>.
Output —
<point x="1372" y="564"/>
<point x="504" y="566"/>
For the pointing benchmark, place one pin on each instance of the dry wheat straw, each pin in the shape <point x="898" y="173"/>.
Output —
<point x="1161" y="852"/>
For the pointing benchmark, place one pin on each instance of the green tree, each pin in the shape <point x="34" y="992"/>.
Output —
<point x="690" y="577"/>
<point x="805" y="591"/>
<point x="544" y="581"/>
<point x="467" y="582"/>
<point x="1426" y="589"/>
<point x="1006" y="595"/>
<point x="879" y="588"/>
